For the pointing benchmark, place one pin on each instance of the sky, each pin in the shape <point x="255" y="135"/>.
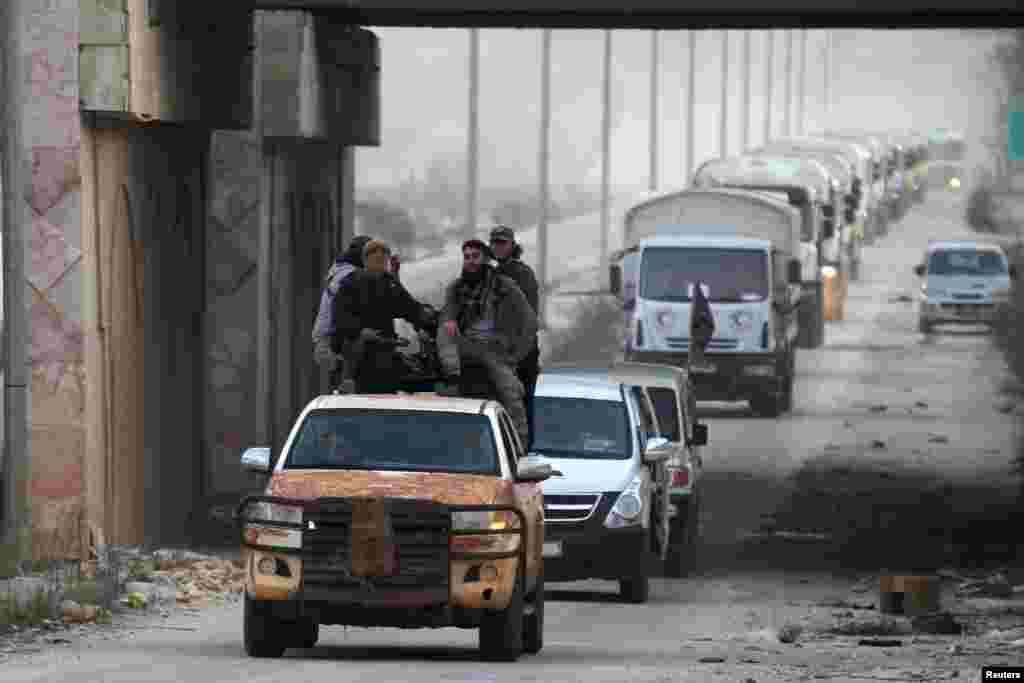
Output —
<point x="883" y="79"/>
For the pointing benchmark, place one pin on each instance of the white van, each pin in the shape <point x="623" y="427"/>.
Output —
<point x="607" y="516"/>
<point x="964" y="282"/>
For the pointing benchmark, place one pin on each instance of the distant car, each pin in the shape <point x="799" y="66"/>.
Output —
<point x="964" y="282"/>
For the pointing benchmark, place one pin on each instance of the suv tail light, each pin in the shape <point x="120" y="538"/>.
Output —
<point x="681" y="477"/>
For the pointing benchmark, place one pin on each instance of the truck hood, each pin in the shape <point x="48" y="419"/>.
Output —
<point x="738" y="326"/>
<point x="449" y="489"/>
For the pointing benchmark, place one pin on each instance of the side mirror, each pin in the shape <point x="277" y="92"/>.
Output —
<point x="615" y="278"/>
<point x="700" y="435"/>
<point x="658" y="448"/>
<point x="828" y="228"/>
<point x="919" y="270"/>
<point x="1013" y="272"/>
<point x="535" y="471"/>
<point x="795" y="274"/>
<point x="256" y="460"/>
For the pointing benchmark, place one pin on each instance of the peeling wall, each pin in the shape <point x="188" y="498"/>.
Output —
<point x="50" y="132"/>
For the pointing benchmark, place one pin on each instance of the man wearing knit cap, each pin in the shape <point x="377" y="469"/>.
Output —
<point x="487" y="320"/>
<point x="508" y="254"/>
<point x="365" y="313"/>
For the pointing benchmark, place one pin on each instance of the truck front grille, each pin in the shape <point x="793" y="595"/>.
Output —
<point x="420" y="530"/>
<point x="570" y="508"/>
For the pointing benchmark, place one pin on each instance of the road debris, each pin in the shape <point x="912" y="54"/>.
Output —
<point x="938" y="438"/>
<point x="880" y="642"/>
<point x="712" y="660"/>
<point x="790" y="633"/>
<point x="877" y="444"/>
<point x="879" y="408"/>
<point x="847" y="604"/>
<point x="873" y="626"/>
<point x="995" y="586"/>
<point x="940" y="624"/>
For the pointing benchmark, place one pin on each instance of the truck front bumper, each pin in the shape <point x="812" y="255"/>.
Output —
<point x="728" y="377"/>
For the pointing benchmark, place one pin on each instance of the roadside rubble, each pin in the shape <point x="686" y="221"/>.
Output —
<point x="109" y="591"/>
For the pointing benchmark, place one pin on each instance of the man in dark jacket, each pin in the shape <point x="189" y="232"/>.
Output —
<point x="347" y="263"/>
<point x="487" y="320"/>
<point x="364" y="314"/>
<point x="508" y="254"/>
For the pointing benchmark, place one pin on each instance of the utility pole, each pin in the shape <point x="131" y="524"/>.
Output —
<point x="723" y="131"/>
<point x="787" y="119"/>
<point x="474" y="131"/>
<point x="769" y="85"/>
<point x="745" y="129"/>
<point x="802" y="125"/>
<point x="544" y="163"/>
<point x="653" y="185"/>
<point x="828" y="78"/>
<point x="606" y="138"/>
<point x="691" y="107"/>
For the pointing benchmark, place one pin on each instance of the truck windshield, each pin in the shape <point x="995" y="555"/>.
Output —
<point x="967" y="262"/>
<point x="581" y="428"/>
<point x="728" y="275"/>
<point x="407" y="441"/>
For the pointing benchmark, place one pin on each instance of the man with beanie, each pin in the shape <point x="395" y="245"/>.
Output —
<point x="347" y="263"/>
<point x="487" y="320"/>
<point x="364" y="313"/>
<point x="508" y="254"/>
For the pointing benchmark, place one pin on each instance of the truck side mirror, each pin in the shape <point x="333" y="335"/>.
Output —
<point x="700" y="435"/>
<point x="919" y="270"/>
<point x="795" y="274"/>
<point x="1013" y="272"/>
<point x="615" y="278"/>
<point x="828" y="228"/>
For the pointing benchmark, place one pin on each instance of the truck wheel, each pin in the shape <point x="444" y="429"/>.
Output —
<point x="636" y="589"/>
<point x="533" y="620"/>
<point x="501" y="631"/>
<point x="309" y="633"/>
<point x="262" y="633"/>
<point x="681" y="558"/>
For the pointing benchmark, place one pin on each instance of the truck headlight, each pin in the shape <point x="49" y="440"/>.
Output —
<point x="628" y="508"/>
<point x="484" y="520"/>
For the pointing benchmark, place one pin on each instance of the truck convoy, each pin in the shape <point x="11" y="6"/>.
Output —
<point x="744" y="248"/>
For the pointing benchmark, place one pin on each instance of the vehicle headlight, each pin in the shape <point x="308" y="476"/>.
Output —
<point x="628" y="508"/>
<point x="260" y="530"/>
<point x="275" y="512"/>
<point x="484" y="520"/>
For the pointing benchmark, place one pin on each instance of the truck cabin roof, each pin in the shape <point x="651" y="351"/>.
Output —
<point x="838" y="165"/>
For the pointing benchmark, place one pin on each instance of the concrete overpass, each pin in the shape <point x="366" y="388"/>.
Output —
<point x="109" y="393"/>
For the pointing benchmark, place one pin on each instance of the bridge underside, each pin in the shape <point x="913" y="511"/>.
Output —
<point x="662" y="14"/>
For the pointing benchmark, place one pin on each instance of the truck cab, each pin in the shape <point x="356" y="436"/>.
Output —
<point x="396" y="510"/>
<point x="806" y="189"/>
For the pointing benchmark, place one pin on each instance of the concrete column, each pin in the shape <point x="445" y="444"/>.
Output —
<point x="145" y="139"/>
<point x="307" y="211"/>
<point x="15" y="462"/>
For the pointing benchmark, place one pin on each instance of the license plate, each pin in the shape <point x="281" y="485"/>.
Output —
<point x="553" y="549"/>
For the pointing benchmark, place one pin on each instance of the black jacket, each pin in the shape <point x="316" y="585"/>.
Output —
<point x="373" y="301"/>
<point x="522" y="275"/>
<point x="516" y="322"/>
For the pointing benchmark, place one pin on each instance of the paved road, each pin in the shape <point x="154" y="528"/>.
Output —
<point x="940" y="385"/>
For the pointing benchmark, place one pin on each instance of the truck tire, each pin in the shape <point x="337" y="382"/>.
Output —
<point x="681" y="559"/>
<point x="263" y="634"/>
<point x="637" y="589"/>
<point x="767" y="405"/>
<point x="501" y="631"/>
<point x="309" y="633"/>
<point x="533" y="620"/>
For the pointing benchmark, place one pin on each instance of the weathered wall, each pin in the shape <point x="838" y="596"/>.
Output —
<point x="50" y="135"/>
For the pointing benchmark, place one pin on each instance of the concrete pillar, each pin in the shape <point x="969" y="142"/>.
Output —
<point x="155" y="78"/>
<point x="15" y="462"/>
<point x="332" y="71"/>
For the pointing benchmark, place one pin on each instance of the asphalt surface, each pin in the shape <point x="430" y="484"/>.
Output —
<point x="943" y="466"/>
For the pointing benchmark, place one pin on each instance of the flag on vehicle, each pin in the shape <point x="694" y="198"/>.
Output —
<point x="702" y="325"/>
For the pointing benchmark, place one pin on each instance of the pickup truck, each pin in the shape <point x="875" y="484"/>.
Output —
<point x="400" y="510"/>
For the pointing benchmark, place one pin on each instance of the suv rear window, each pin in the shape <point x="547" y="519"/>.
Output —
<point x="581" y="428"/>
<point x="667" y="409"/>
<point x="396" y="441"/>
